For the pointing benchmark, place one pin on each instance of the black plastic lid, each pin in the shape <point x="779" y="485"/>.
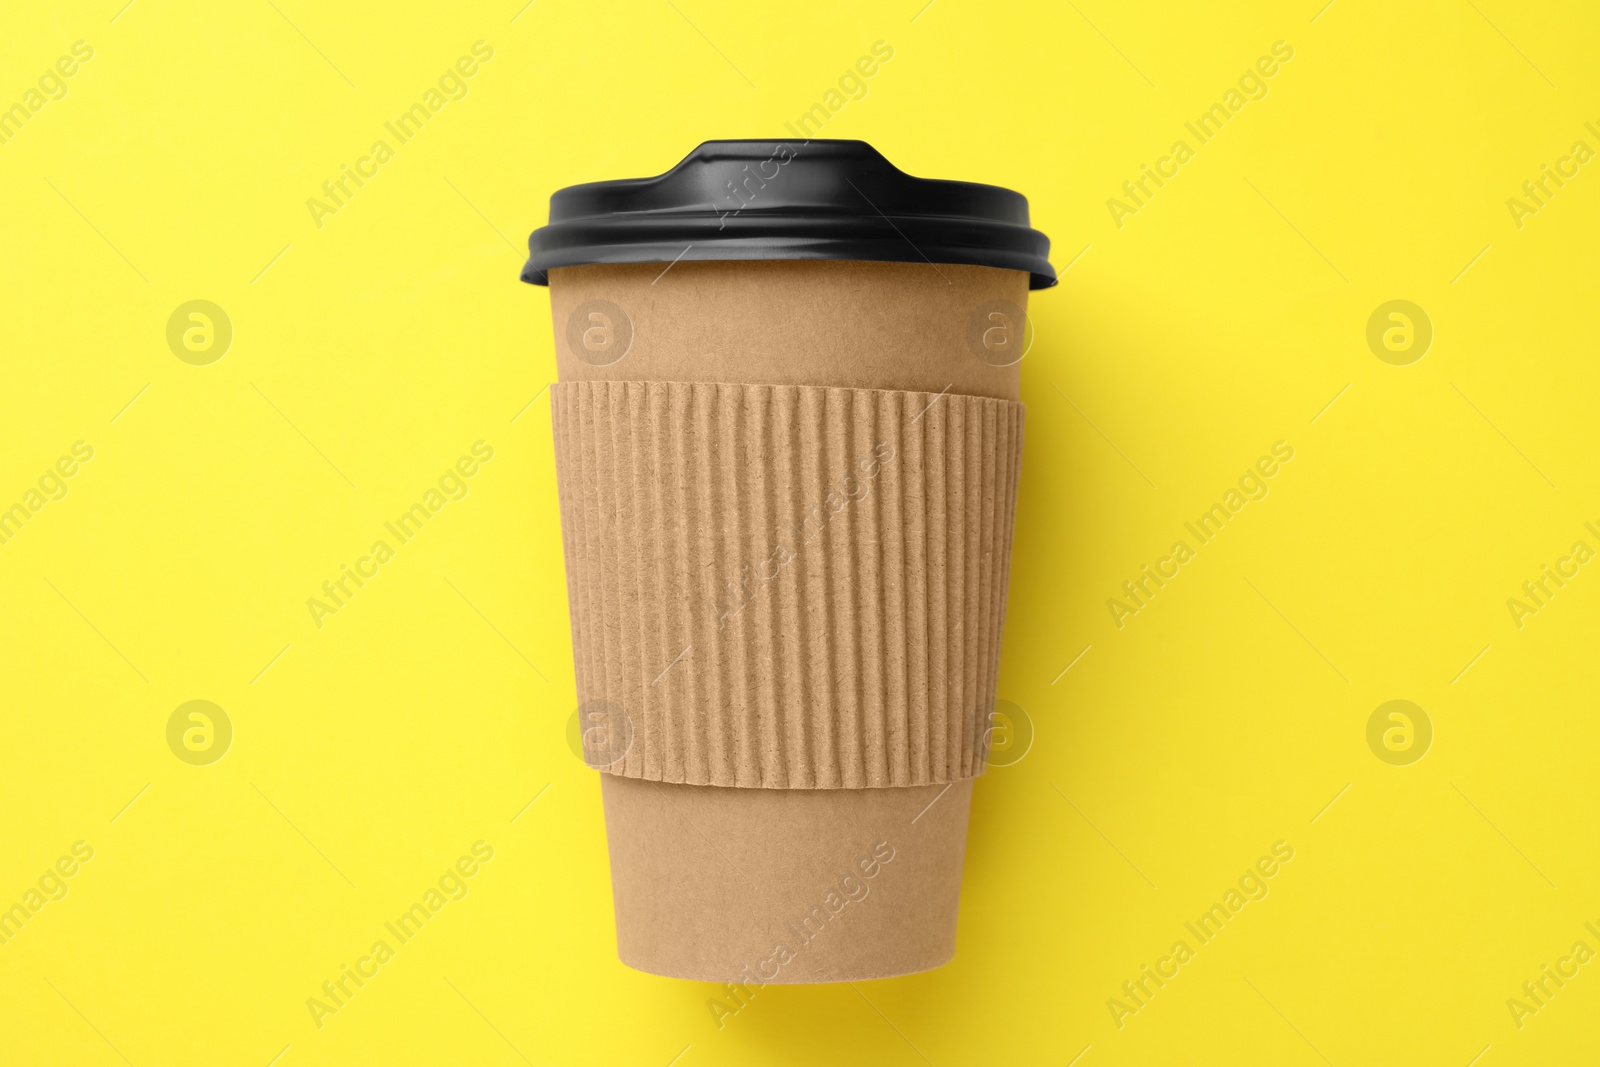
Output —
<point x="782" y="200"/>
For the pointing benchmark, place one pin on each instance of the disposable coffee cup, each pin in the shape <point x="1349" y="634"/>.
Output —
<point x="788" y="437"/>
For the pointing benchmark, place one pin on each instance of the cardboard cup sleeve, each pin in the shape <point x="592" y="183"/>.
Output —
<point x="786" y="607"/>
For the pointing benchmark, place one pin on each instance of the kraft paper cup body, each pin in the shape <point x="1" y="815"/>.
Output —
<point x="787" y="493"/>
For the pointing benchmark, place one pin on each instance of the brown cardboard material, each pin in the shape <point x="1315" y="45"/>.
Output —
<point x="787" y="493"/>
<point x="794" y="322"/>
<point x="778" y="886"/>
<point x="788" y="586"/>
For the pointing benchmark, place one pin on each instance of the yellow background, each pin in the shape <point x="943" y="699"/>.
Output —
<point x="370" y="353"/>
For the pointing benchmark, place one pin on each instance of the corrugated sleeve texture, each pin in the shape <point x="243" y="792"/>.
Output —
<point x="788" y="587"/>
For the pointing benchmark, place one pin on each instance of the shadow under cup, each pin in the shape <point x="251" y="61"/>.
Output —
<point x="787" y="508"/>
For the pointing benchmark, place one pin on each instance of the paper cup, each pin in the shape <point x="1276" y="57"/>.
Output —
<point x="787" y="489"/>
